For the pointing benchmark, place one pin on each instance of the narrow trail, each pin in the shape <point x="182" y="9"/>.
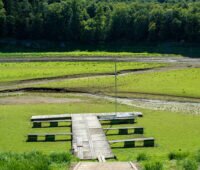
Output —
<point x="186" y="60"/>
<point x="188" y="107"/>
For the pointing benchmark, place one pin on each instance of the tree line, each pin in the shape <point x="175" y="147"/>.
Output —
<point x="94" y="21"/>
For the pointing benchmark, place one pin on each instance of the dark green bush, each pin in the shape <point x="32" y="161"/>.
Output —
<point x="189" y="164"/>
<point x="153" y="166"/>
<point x="197" y="156"/>
<point x="60" y="157"/>
<point x="177" y="155"/>
<point x="32" y="160"/>
<point x="142" y="157"/>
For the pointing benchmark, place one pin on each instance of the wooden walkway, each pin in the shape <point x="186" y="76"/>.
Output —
<point x="88" y="137"/>
<point x="89" y="140"/>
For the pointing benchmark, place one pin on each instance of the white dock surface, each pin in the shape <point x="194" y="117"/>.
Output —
<point x="89" y="140"/>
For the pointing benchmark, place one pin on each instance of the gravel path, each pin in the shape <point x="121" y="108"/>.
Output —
<point x="174" y="106"/>
<point x="131" y="59"/>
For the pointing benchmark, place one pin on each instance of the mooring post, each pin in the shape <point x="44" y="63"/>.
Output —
<point x="37" y="124"/>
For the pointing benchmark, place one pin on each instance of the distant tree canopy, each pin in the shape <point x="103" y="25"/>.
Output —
<point x="94" y="21"/>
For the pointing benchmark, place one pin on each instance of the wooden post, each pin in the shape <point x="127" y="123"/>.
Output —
<point x="123" y="121"/>
<point x="49" y="137"/>
<point x="139" y="130"/>
<point x="113" y="122"/>
<point x="53" y="124"/>
<point x="32" y="138"/>
<point x="129" y="144"/>
<point x="131" y="121"/>
<point x="37" y="124"/>
<point x="149" y="143"/>
<point x="123" y="131"/>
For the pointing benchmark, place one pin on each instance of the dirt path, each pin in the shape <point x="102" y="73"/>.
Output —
<point x="188" y="107"/>
<point x="99" y="58"/>
<point x="37" y="100"/>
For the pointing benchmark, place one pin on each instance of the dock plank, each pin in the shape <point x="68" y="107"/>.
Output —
<point x="68" y="116"/>
<point x="94" y="142"/>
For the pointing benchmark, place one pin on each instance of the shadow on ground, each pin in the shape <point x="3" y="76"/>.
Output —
<point x="185" y="49"/>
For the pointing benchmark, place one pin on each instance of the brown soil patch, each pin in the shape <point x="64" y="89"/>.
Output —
<point x="36" y="100"/>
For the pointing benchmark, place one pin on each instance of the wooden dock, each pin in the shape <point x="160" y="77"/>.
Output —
<point x="89" y="140"/>
<point x="88" y="137"/>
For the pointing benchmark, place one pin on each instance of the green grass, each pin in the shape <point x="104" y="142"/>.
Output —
<point x="35" y="161"/>
<point x="83" y="54"/>
<point x="172" y="131"/>
<point x="185" y="82"/>
<point x="23" y="71"/>
<point x="15" y="121"/>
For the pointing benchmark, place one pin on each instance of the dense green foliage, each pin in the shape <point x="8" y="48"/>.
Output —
<point x="177" y="155"/>
<point x="32" y="160"/>
<point x="190" y="164"/>
<point x="153" y="166"/>
<point x="100" y="21"/>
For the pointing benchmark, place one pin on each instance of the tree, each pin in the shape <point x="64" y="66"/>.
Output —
<point x="102" y="24"/>
<point x="155" y="23"/>
<point x="95" y="21"/>
<point x="152" y="31"/>
<point x="120" y="27"/>
<point x="2" y="19"/>
<point x="88" y="30"/>
<point x="54" y="22"/>
<point x="24" y="17"/>
<point x="75" y="24"/>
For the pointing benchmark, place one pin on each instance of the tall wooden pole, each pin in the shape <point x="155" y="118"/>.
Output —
<point x="115" y="85"/>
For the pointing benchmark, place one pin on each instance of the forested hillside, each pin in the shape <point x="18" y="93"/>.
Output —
<point x="100" y="21"/>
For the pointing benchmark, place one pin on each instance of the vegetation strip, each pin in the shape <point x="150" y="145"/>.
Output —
<point x="93" y="21"/>
<point x="166" y="83"/>
<point x="10" y="71"/>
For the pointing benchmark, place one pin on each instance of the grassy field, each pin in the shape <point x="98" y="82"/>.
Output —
<point x="172" y="131"/>
<point x="83" y="54"/>
<point x="15" y="120"/>
<point x="184" y="82"/>
<point x="23" y="71"/>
